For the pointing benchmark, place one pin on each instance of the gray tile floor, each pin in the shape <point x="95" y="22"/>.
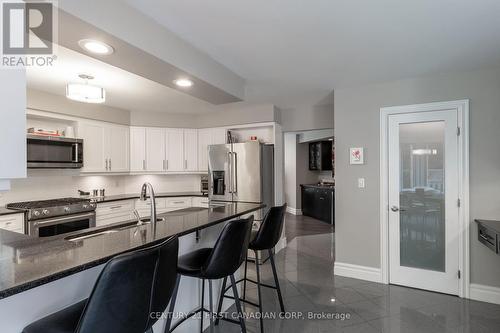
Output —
<point x="310" y="288"/>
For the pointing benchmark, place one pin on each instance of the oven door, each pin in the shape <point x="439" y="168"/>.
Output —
<point x="61" y="225"/>
<point x="54" y="152"/>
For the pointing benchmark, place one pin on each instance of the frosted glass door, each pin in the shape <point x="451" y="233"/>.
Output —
<point x="423" y="197"/>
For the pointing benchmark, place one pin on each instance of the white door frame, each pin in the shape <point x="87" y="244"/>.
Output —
<point x="462" y="107"/>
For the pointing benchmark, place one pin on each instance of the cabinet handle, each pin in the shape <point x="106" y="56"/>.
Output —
<point x="167" y="165"/>
<point x="106" y="164"/>
<point x="185" y="164"/>
<point x="164" y="168"/>
<point x="109" y="164"/>
<point x="178" y="202"/>
<point x="143" y="164"/>
<point x="115" y="207"/>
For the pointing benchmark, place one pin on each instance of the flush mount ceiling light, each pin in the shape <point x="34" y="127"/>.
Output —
<point x="84" y="92"/>
<point x="95" y="46"/>
<point x="183" y="83"/>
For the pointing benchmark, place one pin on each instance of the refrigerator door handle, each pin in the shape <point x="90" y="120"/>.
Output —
<point x="229" y="171"/>
<point x="235" y="172"/>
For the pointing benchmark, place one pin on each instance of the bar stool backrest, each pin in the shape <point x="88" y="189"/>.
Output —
<point x="130" y="288"/>
<point x="270" y="230"/>
<point x="230" y="249"/>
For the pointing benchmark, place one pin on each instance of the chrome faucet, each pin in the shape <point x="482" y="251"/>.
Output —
<point x="143" y="197"/>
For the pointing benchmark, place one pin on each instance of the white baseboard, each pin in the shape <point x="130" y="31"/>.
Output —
<point x="294" y="211"/>
<point x="358" y="272"/>
<point x="479" y="292"/>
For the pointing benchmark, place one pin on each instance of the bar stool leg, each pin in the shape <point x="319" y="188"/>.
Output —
<point x="273" y="265"/>
<point x="238" y="304"/>
<point x="202" y="304"/>
<point x="170" y="313"/>
<point x="245" y="278"/>
<point x="259" y="292"/>
<point x="221" y="300"/>
<point x="211" y="307"/>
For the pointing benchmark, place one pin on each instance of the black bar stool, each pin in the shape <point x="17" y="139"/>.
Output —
<point x="130" y="288"/>
<point x="264" y="239"/>
<point x="218" y="262"/>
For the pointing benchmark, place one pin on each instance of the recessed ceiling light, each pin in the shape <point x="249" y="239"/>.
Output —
<point x="95" y="46"/>
<point x="83" y="92"/>
<point x="184" y="83"/>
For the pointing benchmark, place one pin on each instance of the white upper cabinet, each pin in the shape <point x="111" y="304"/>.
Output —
<point x="117" y="145"/>
<point x="206" y="137"/>
<point x="191" y="150"/>
<point x="218" y="136"/>
<point x="155" y="150"/>
<point x="204" y="140"/>
<point x="94" y="154"/>
<point x="174" y="138"/>
<point x="105" y="147"/>
<point x="137" y="149"/>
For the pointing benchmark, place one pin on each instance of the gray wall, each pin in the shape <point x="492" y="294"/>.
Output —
<point x="307" y="118"/>
<point x="357" y="125"/>
<point x="238" y="113"/>
<point x="160" y="119"/>
<point x="43" y="101"/>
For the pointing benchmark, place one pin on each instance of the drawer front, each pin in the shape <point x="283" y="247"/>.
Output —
<point x="200" y="202"/>
<point x="488" y="238"/>
<point x="114" y="218"/>
<point x="161" y="203"/>
<point x="13" y="222"/>
<point x="119" y="207"/>
<point x="179" y="202"/>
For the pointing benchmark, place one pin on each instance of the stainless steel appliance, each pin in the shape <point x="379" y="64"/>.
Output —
<point x="49" y="152"/>
<point x="243" y="172"/>
<point x="54" y="217"/>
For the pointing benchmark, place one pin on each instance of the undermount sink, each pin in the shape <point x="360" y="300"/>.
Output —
<point x="111" y="230"/>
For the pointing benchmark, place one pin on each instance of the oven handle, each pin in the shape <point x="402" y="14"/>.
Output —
<point x="63" y="219"/>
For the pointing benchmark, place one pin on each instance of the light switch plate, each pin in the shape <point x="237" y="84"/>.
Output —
<point x="361" y="183"/>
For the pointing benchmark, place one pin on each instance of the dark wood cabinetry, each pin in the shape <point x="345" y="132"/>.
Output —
<point x="318" y="202"/>
<point x="320" y="156"/>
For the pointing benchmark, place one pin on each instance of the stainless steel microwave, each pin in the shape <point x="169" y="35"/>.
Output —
<point x="47" y="152"/>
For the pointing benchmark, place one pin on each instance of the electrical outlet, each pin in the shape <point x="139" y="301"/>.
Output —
<point x="361" y="183"/>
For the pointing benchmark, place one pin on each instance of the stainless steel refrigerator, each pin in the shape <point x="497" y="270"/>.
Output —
<point x="242" y="172"/>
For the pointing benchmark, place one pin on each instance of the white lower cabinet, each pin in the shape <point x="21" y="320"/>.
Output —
<point x="122" y="211"/>
<point x="114" y="212"/>
<point x="202" y="202"/>
<point x="12" y="222"/>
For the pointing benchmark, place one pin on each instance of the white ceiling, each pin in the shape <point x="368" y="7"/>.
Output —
<point x="123" y="89"/>
<point x="291" y="49"/>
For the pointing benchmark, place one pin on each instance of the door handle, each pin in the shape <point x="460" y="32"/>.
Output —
<point x="235" y="173"/>
<point x="397" y="209"/>
<point x="230" y="170"/>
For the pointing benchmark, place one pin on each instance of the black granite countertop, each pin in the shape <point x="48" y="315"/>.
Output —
<point x="6" y="211"/>
<point x="27" y="262"/>
<point x="324" y="187"/>
<point x="118" y="197"/>
<point x="490" y="224"/>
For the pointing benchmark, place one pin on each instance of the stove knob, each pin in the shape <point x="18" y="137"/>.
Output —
<point x="36" y="213"/>
<point x="85" y="206"/>
<point x="45" y="212"/>
<point x="92" y="205"/>
<point x="66" y="209"/>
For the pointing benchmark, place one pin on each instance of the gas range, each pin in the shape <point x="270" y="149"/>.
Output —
<point x="43" y="209"/>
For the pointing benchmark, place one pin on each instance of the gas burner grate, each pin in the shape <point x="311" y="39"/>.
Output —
<point x="46" y="203"/>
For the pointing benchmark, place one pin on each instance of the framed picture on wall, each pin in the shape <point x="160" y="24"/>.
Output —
<point x="357" y="156"/>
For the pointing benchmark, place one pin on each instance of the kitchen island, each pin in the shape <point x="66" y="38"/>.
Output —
<point x="39" y="276"/>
